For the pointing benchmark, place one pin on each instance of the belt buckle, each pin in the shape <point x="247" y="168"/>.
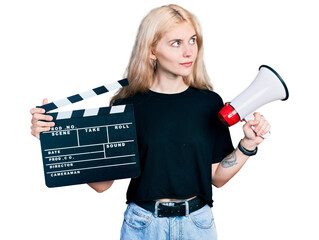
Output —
<point x="158" y="206"/>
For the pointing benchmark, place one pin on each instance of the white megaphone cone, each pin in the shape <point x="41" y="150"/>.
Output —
<point x="268" y="86"/>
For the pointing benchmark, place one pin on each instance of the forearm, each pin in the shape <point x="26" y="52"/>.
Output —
<point x="101" y="186"/>
<point x="228" y="167"/>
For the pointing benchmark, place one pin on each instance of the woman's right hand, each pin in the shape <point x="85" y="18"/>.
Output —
<point x="37" y="121"/>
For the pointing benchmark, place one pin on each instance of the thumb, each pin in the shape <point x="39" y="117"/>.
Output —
<point x="250" y="124"/>
<point x="45" y="101"/>
<point x="249" y="129"/>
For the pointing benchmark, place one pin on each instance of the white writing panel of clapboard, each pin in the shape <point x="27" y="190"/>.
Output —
<point x="90" y="145"/>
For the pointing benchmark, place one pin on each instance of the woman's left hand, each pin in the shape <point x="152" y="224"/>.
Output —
<point x="253" y="136"/>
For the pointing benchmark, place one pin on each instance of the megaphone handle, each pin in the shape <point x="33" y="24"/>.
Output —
<point x="251" y="117"/>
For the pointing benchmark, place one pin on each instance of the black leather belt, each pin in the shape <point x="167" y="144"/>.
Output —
<point x="173" y="209"/>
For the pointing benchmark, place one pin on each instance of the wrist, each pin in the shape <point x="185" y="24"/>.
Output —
<point x="248" y="144"/>
<point x="246" y="151"/>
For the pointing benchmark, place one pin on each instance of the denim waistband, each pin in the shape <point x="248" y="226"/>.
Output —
<point x="174" y="208"/>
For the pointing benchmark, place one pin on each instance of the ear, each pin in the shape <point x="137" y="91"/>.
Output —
<point x="152" y="55"/>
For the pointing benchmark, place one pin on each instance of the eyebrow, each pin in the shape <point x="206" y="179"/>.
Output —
<point x="178" y="39"/>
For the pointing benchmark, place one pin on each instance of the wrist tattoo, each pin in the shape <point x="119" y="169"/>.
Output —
<point x="230" y="160"/>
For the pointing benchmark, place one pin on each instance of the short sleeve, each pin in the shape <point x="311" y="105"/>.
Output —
<point x="223" y="145"/>
<point x="117" y="102"/>
<point x="123" y="101"/>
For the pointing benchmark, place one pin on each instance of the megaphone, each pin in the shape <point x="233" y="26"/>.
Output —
<point x="268" y="86"/>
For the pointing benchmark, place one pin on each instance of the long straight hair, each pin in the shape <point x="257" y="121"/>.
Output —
<point x="141" y="70"/>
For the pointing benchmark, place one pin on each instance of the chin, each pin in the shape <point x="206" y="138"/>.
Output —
<point x="185" y="74"/>
<point x="181" y="72"/>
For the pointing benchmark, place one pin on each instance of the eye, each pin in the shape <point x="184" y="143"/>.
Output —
<point x="192" y="40"/>
<point x="176" y="43"/>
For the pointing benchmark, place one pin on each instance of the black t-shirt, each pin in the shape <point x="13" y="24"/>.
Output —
<point x="179" y="136"/>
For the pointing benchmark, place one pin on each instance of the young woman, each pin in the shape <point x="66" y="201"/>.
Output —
<point x="184" y="149"/>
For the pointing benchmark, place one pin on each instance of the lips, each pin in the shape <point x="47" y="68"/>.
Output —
<point x="187" y="64"/>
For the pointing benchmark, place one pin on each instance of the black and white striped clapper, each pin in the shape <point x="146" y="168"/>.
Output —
<point x="90" y="145"/>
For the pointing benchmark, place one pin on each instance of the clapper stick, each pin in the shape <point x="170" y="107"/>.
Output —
<point x="85" y="95"/>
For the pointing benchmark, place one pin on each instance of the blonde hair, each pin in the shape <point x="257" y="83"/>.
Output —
<point x="140" y="71"/>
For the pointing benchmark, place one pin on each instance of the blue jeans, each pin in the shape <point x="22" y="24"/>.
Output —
<point x="140" y="224"/>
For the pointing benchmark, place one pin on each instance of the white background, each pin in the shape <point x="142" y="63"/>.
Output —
<point x="59" y="48"/>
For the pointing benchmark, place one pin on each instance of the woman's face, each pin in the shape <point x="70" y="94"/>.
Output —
<point x="176" y="52"/>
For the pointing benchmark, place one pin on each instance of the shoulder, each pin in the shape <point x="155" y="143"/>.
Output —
<point x="134" y="99"/>
<point x="210" y="95"/>
<point x="122" y="101"/>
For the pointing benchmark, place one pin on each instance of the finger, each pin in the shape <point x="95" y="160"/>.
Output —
<point x="251" y="123"/>
<point x="265" y="129"/>
<point x="257" y="117"/>
<point x="37" y="110"/>
<point x="248" y="130"/>
<point x="44" y="124"/>
<point x="261" y="129"/>
<point x="37" y="117"/>
<point x="261" y="123"/>
<point x="45" y="101"/>
<point x="35" y="131"/>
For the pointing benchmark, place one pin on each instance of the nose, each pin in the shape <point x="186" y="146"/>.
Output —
<point x="187" y="51"/>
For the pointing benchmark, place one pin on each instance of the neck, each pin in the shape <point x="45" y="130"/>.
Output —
<point x="168" y="83"/>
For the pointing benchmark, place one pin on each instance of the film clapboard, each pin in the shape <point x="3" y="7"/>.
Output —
<point x="90" y="145"/>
